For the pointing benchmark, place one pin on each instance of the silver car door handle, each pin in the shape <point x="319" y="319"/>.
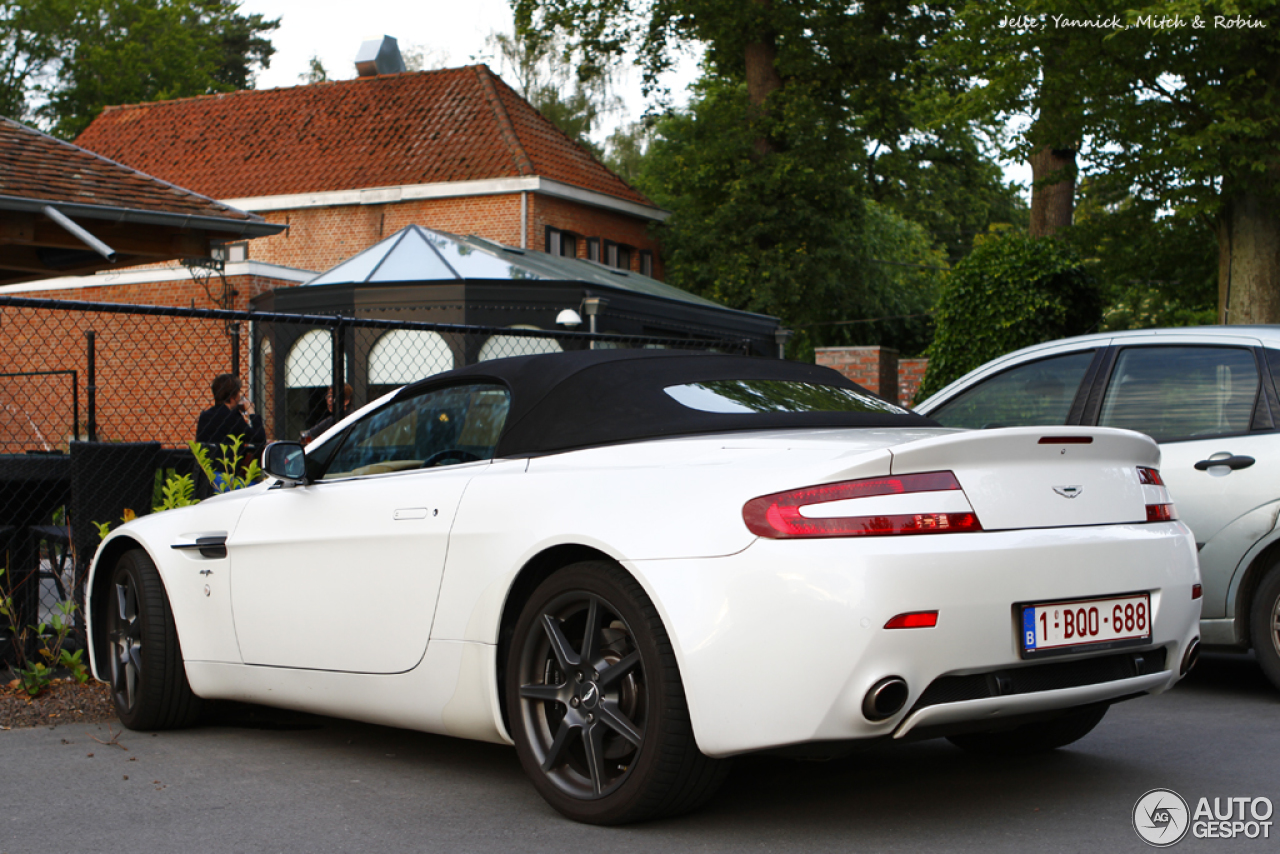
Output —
<point x="1232" y="462"/>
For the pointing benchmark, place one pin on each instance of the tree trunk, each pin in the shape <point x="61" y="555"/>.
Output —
<point x="762" y="71"/>
<point x="1052" y="204"/>
<point x="762" y="76"/>
<point x="1249" y="260"/>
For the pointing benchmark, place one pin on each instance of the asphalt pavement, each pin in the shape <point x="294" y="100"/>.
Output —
<point x="267" y="781"/>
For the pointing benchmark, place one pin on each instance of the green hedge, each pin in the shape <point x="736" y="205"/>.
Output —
<point x="1012" y="291"/>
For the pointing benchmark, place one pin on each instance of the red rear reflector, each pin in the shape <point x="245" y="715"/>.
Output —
<point x="778" y="516"/>
<point x="1196" y="591"/>
<point x="1150" y="477"/>
<point x="1066" y="440"/>
<point x="914" y="620"/>
<point x="1161" y="513"/>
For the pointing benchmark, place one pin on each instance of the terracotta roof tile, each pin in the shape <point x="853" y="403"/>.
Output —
<point x="456" y="124"/>
<point x="38" y="167"/>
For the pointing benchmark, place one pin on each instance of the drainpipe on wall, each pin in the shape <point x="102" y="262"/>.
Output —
<point x="524" y="220"/>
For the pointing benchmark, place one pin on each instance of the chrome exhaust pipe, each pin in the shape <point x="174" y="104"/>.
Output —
<point x="1190" y="657"/>
<point x="885" y="699"/>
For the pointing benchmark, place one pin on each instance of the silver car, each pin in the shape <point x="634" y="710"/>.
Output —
<point x="1209" y="396"/>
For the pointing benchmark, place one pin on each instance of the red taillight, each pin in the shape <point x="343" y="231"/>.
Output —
<point x="1149" y="476"/>
<point x="914" y="620"/>
<point x="778" y="516"/>
<point x="1196" y="591"/>
<point x="1161" y="513"/>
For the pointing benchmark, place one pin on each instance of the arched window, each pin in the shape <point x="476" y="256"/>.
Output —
<point x="403" y="356"/>
<point x="308" y="374"/>
<point x="502" y="346"/>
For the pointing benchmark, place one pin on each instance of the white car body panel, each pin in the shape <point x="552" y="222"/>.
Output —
<point x="378" y="543"/>
<point x="664" y="481"/>
<point x="449" y="693"/>
<point x="199" y="589"/>
<point x="1232" y="513"/>
<point x="805" y="677"/>
<point x="791" y="630"/>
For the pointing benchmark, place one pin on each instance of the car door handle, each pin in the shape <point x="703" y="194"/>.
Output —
<point x="1232" y="462"/>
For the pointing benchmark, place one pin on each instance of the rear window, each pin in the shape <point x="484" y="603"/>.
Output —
<point x="1173" y="393"/>
<point x="757" y="396"/>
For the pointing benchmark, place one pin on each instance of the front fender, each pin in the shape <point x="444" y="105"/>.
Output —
<point x="198" y="588"/>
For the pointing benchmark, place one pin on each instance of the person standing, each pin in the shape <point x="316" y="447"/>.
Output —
<point x="327" y="421"/>
<point x="229" y="417"/>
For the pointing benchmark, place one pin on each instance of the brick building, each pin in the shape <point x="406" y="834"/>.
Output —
<point x="341" y="165"/>
<point x="65" y="210"/>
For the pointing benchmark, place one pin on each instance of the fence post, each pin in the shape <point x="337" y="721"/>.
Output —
<point x="339" y="362"/>
<point x="233" y="333"/>
<point x="91" y="387"/>
<point x="75" y="406"/>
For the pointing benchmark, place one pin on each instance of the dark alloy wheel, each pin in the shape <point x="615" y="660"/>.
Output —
<point x="148" y="681"/>
<point x="1034" y="737"/>
<point x="1264" y="625"/>
<point x="596" y="705"/>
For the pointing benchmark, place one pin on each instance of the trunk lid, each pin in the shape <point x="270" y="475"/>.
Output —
<point x="1043" y="477"/>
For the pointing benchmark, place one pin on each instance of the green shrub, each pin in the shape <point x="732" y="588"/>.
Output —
<point x="1012" y="291"/>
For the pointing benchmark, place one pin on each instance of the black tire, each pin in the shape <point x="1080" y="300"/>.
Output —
<point x="596" y="705"/>
<point x="1264" y="625"/>
<point x="148" y="680"/>
<point x="1034" y="737"/>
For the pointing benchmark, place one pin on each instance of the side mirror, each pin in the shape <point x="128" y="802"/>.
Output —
<point x="286" y="461"/>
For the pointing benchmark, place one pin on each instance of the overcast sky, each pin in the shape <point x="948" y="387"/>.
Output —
<point x="451" y="31"/>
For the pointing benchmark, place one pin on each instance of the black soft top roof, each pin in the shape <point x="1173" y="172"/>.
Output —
<point x="584" y="398"/>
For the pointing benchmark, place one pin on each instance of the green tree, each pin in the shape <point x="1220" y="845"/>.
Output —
<point x="1012" y="291"/>
<point x="786" y="233"/>
<point x="316" y="72"/>
<point x="774" y="233"/>
<point x="108" y="52"/>
<point x="902" y="272"/>
<point x="571" y="91"/>
<point x="419" y="57"/>
<point x="942" y="178"/>
<point x="764" y="172"/>
<point x="1172" y="104"/>
<point x="1028" y="72"/>
<point x="27" y="48"/>
<point x="626" y="147"/>
<point x="1153" y="268"/>
<point x="1204" y="138"/>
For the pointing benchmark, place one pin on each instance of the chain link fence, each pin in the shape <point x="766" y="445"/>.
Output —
<point x="99" y="401"/>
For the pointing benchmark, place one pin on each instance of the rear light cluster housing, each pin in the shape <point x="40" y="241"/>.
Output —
<point x="778" y="516"/>
<point x="1162" y="512"/>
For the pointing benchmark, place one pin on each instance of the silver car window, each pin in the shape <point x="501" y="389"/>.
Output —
<point x="1033" y="394"/>
<point x="1173" y="393"/>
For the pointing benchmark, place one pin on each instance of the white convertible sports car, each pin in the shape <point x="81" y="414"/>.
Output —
<point x="635" y="564"/>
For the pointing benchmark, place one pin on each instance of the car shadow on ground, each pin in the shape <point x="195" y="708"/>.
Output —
<point x="929" y="792"/>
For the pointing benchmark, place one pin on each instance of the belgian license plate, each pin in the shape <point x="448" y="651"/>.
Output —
<point x="1085" y="622"/>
